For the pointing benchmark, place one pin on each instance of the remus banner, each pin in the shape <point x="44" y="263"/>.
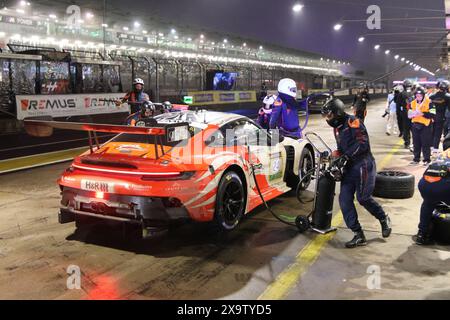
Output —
<point x="68" y="105"/>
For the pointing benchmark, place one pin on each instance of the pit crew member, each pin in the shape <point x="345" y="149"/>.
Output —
<point x="356" y="158"/>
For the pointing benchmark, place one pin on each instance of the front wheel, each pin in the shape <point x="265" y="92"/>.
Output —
<point x="230" y="202"/>
<point x="304" y="177"/>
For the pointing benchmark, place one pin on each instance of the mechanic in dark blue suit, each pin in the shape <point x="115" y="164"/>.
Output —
<point x="435" y="189"/>
<point x="354" y="155"/>
<point x="441" y="101"/>
<point x="285" y="110"/>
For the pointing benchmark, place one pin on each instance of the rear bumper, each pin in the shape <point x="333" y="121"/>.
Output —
<point x="148" y="211"/>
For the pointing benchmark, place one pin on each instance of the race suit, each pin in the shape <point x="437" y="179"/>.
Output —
<point x="441" y="101"/>
<point x="285" y="117"/>
<point x="360" y="172"/>
<point x="434" y="188"/>
<point x="360" y="104"/>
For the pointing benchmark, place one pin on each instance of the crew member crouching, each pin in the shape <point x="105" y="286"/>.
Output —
<point x="435" y="189"/>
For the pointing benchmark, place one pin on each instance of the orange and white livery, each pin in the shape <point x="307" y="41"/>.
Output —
<point x="192" y="165"/>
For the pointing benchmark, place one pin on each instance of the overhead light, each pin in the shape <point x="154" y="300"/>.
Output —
<point x="23" y="3"/>
<point x="407" y="61"/>
<point x="402" y="59"/>
<point x="126" y="28"/>
<point x="161" y="34"/>
<point x="173" y="31"/>
<point x="244" y="44"/>
<point x="387" y="52"/>
<point x="297" y="7"/>
<point x="104" y="25"/>
<point x="260" y="47"/>
<point x="20" y="11"/>
<point x="202" y="36"/>
<point x="89" y="15"/>
<point x="377" y="47"/>
<point x="225" y="40"/>
<point x="144" y="31"/>
<point x="213" y="43"/>
<point x="137" y="24"/>
<point x="189" y="39"/>
<point x="337" y="26"/>
<point x="361" y="39"/>
<point x="53" y="16"/>
<point x="396" y="57"/>
<point x="176" y="37"/>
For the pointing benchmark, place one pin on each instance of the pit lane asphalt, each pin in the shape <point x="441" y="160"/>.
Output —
<point x="191" y="262"/>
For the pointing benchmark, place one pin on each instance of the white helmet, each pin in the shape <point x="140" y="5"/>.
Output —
<point x="138" y="81"/>
<point x="288" y="86"/>
<point x="269" y="101"/>
<point x="399" y="88"/>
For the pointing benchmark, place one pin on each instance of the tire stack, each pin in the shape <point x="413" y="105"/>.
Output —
<point x="394" y="185"/>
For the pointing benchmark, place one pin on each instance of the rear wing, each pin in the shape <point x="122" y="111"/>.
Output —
<point x="172" y="132"/>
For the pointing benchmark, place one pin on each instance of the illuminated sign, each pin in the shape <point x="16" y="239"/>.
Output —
<point x="188" y="100"/>
<point x="16" y="20"/>
<point x="125" y="36"/>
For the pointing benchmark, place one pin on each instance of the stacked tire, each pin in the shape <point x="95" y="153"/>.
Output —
<point x="394" y="185"/>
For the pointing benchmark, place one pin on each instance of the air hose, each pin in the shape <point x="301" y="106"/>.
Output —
<point x="282" y="218"/>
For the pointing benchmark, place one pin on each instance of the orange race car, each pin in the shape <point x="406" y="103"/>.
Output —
<point x="185" y="165"/>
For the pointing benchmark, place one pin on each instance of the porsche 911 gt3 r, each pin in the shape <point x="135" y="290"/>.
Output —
<point x="187" y="165"/>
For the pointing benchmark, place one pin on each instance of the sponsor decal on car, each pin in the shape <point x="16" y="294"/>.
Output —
<point x="98" y="186"/>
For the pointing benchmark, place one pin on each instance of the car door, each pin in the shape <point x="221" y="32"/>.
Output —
<point x="266" y="158"/>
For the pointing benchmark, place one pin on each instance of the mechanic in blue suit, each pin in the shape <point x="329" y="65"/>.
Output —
<point x="285" y="110"/>
<point x="355" y="157"/>
<point x="441" y="101"/>
<point x="435" y="189"/>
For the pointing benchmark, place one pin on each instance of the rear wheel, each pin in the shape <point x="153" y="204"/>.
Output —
<point x="230" y="202"/>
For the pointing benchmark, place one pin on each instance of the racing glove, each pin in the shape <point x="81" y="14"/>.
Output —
<point x="341" y="162"/>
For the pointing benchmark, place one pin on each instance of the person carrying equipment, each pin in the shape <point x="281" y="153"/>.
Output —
<point x="356" y="158"/>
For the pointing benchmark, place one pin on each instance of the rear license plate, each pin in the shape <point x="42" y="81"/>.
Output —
<point x="99" y="186"/>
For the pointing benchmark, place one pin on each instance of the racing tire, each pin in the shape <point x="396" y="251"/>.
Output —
<point x="394" y="185"/>
<point x="230" y="202"/>
<point x="306" y="164"/>
<point x="441" y="226"/>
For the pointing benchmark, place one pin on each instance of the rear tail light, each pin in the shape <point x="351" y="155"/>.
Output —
<point x="171" y="176"/>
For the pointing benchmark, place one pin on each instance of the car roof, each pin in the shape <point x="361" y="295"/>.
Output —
<point x="199" y="117"/>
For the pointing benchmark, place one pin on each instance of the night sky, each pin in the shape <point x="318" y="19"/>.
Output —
<point x="273" y="21"/>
